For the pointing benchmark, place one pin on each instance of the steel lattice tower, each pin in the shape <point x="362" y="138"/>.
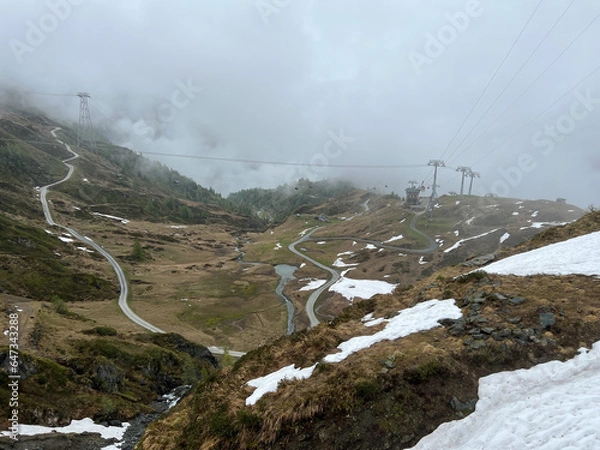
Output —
<point x="84" y="132"/>
<point x="472" y="175"/>
<point x="435" y="163"/>
<point x="465" y="172"/>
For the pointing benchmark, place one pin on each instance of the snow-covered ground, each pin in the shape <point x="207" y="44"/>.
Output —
<point x="120" y="219"/>
<point x="580" y="255"/>
<point x="303" y="232"/>
<point x="269" y="382"/>
<point x="544" y="224"/>
<point x="459" y="243"/>
<point x="395" y="238"/>
<point x="552" y="406"/>
<point x="339" y="262"/>
<point x="365" y="289"/>
<point x="422" y="316"/>
<point x="313" y="284"/>
<point x="77" y="426"/>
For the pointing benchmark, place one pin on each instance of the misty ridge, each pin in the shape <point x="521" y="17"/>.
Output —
<point x="263" y="93"/>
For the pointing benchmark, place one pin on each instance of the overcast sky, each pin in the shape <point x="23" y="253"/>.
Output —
<point x="337" y="82"/>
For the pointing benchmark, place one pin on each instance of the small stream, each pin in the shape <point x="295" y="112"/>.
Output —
<point x="286" y="272"/>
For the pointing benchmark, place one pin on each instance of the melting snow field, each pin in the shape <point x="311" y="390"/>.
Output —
<point x="269" y="383"/>
<point x="459" y="243"/>
<point x="120" y="219"/>
<point x="552" y="406"/>
<point x="422" y="316"/>
<point x="580" y="255"/>
<point x="313" y="284"/>
<point x="365" y="289"/>
<point x="395" y="238"/>
<point x="76" y="426"/>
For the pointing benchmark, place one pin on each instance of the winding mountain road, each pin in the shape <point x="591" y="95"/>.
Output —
<point x="335" y="275"/>
<point x="431" y="244"/>
<point x="124" y="289"/>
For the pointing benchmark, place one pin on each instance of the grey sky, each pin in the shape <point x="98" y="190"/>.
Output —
<point x="279" y="80"/>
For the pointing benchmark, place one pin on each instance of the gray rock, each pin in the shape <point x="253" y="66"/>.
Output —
<point x="501" y="335"/>
<point x="547" y="320"/>
<point x="514" y="320"/>
<point x="497" y="296"/>
<point x="466" y="407"/>
<point x="516" y="301"/>
<point x="476" y="345"/>
<point x="479" y="260"/>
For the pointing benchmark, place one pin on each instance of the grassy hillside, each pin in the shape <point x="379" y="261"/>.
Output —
<point x="97" y="372"/>
<point x="114" y="179"/>
<point x="275" y="205"/>
<point x="38" y="265"/>
<point x="396" y="392"/>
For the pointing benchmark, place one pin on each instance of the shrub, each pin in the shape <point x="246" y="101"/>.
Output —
<point x="102" y="331"/>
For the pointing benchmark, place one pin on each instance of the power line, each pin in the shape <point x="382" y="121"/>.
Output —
<point x="45" y="93"/>
<point x="513" y="78"/>
<point x="531" y="84"/>
<point x="493" y="77"/>
<point x="540" y="114"/>
<point x="286" y="163"/>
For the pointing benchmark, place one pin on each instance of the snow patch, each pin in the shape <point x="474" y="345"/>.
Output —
<point x="423" y="316"/>
<point x="321" y="242"/>
<point x="504" y="237"/>
<point x="269" y="382"/>
<point x="470" y="221"/>
<point x="365" y="289"/>
<point x="544" y="224"/>
<point x="395" y="238"/>
<point x="277" y="246"/>
<point x="340" y="263"/>
<point x="577" y="256"/>
<point x="120" y="219"/>
<point x="76" y="426"/>
<point x="459" y="243"/>
<point x="313" y="284"/>
<point x="550" y="406"/>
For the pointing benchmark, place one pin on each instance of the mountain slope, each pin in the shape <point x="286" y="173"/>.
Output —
<point x="395" y="392"/>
